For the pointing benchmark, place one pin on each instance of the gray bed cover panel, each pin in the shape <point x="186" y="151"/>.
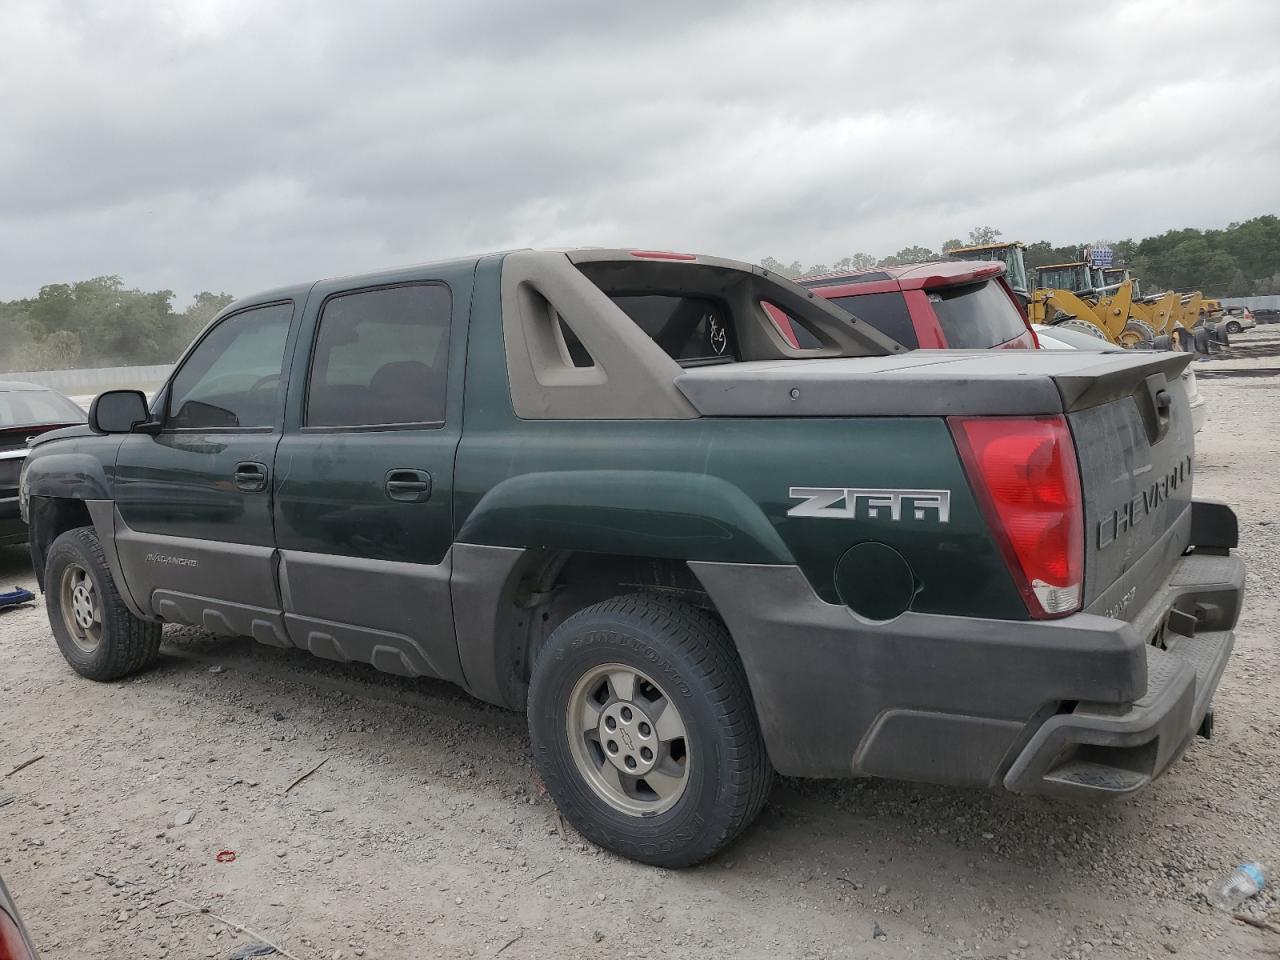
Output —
<point x="924" y="383"/>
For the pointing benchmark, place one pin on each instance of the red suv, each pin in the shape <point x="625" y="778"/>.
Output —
<point x="957" y="304"/>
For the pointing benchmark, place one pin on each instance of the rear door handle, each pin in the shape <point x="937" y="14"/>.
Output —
<point x="408" y="486"/>
<point x="251" y="476"/>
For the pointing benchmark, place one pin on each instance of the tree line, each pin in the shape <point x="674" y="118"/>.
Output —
<point x="1240" y="260"/>
<point x="99" y="323"/>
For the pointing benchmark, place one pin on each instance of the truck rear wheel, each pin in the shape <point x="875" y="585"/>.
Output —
<point x="95" y="631"/>
<point x="644" y="730"/>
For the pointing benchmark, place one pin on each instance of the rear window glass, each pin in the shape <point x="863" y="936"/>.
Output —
<point x="691" y="330"/>
<point x="887" y="312"/>
<point x="977" y="316"/>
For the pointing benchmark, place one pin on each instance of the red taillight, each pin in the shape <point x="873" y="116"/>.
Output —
<point x="662" y="255"/>
<point x="1024" y="472"/>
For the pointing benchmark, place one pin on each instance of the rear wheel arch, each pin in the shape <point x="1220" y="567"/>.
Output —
<point x="505" y="618"/>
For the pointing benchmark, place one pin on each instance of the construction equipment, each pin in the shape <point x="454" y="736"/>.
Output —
<point x="1069" y="294"/>
<point x="1011" y="255"/>
<point x="1160" y="312"/>
<point x="1102" y="300"/>
<point x="1075" y="277"/>
<point x="1114" y="276"/>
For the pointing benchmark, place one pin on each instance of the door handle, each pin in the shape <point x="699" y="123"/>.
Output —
<point x="408" y="486"/>
<point x="250" y="476"/>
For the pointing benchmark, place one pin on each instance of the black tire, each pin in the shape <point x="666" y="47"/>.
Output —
<point x="1138" y="334"/>
<point x="689" y="656"/>
<point x="124" y="644"/>
<point x="1162" y="342"/>
<point x="1234" y="327"/>
<point x="1200" y="340"/>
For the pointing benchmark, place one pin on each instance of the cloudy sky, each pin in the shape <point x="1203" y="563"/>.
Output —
<point x="233" y="145"/>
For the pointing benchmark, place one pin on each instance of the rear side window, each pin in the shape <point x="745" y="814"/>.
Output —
<point x="691" y="330"/>
<point x="790" y="327"/>
<point x="887" y="312"/>
<point x="232" y="377"/>
<point x="381" y="358"/>
<point x="977" y="316"/>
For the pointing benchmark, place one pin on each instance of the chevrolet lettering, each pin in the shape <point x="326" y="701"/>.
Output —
<point x="1136" y="509"/>
<point x="597" y="487"/>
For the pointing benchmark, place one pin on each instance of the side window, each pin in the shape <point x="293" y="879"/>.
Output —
<point x="232" y="378"/>
<point x="381" y="357"/>
<point x="691" y="330"/>
<point x="790" y="327"/>
<point x="887" y="312"/>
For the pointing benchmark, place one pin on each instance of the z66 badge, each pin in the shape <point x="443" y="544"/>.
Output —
<point x="850" y="503"/>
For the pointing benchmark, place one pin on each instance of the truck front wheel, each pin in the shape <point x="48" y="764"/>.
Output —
<point x="644" y="730"/>
<point x="95" y="631"/>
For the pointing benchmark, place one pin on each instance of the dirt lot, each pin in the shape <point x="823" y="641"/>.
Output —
<point x="425" y="833"/>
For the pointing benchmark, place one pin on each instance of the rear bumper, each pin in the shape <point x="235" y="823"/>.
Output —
<point x="1088" y="706"/>
<point x="1101" y="750"/>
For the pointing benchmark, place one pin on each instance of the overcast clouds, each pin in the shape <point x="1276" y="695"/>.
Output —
<point x="239" y="145"/>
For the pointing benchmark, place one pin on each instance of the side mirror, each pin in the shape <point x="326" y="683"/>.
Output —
<point x="118" y="411"/>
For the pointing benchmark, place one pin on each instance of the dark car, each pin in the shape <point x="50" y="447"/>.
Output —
<point x="14" y="942"/>
<point x="962" y="305"/>
<point x="602" y="487"/>
<point x="26" y="410"/>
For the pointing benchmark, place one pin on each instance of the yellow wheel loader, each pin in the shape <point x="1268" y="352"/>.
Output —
<point x="1010" y="254"/>
<point x="1068" y="291"/>
<point x="1161" y="312"/>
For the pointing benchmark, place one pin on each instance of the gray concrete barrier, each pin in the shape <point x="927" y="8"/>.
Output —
<point x="93" y="381"/>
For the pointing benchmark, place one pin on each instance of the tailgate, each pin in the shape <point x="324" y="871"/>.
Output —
<point x="1135" y="456"/>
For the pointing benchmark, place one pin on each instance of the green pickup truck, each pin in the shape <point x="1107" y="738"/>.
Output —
<point x="603" y="487"/>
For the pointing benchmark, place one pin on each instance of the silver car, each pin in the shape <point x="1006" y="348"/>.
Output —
<point x="1057" y="338"/>
<point x="1238" y="319"/>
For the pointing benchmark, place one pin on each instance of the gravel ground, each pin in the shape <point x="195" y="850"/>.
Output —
<point x="425" y="832"/>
